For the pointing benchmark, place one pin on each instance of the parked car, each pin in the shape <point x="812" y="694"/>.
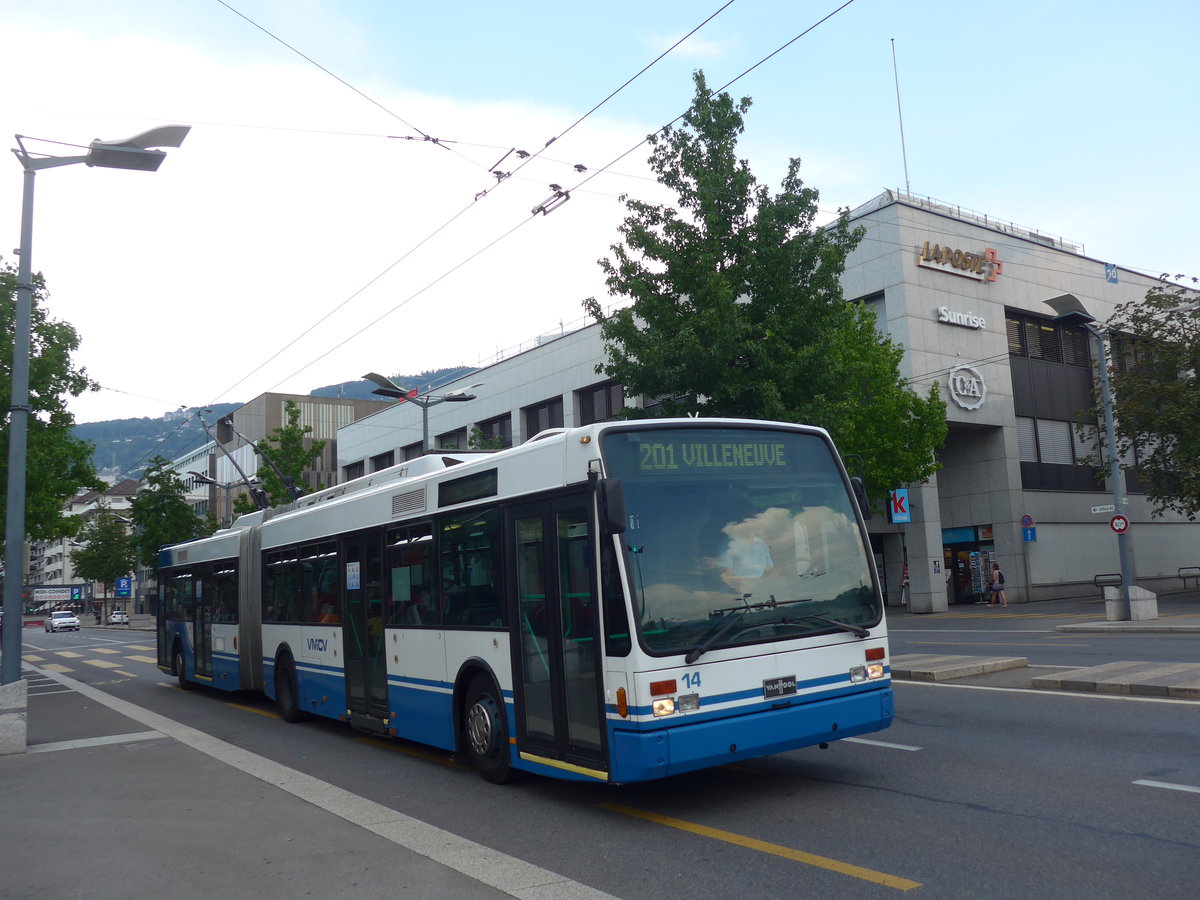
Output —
<point x="62" y="620"/>
<point x="118" y="617"/>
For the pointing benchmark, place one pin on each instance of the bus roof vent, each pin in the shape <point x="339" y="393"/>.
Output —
<point x="412" y="501"/>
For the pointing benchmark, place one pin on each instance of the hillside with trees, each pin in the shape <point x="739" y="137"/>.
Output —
<point x="124" y="447"/>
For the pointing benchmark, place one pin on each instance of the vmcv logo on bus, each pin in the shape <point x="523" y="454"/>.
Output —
<point x="318" y="644"/>
<point x="967" y="388"/>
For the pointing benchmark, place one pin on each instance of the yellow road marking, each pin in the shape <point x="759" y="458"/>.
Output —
<point x="68" y="654"/>
<point x="102" y="664"/>
<point x="138" y="647"/>
<point x="142" y="659"/>
<point x="55" y="667"/>
<point x="269" y="713"/>
<point x="419" y="754"/>
<point x="126" y="674"/>
<point x="810" y="859"/>
<point x="31" y="658"/>
<point x="105" y="650"/>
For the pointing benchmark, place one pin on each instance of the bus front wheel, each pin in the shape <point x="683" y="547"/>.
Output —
<point x="485" y="730"/>
<point x="181" y="670"/>
<point x="286" y="697"/>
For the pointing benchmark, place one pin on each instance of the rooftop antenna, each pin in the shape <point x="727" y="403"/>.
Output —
<point x="900" y="114"/>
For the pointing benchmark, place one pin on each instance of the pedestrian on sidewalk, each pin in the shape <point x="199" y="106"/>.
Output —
<point x="999" y="598"/>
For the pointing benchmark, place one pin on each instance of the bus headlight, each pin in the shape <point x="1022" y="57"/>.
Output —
<point x="688" y="702"/>
<point x="870" y="672"/>
<point x="664" y="706"/>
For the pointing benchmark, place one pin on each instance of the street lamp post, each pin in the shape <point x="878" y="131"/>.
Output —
<point x="134" y="153"/>
<point x="1071" y="312"/>
<point x="388" y="388"/>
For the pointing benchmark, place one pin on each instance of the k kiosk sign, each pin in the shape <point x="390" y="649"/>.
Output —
<point x="898" y="511"/>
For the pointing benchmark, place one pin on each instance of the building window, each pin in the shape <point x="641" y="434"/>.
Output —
<point x="383" y="461"/>
<point x="354" y="470"/>
<point x="1055" y="456"/>
<point x="412" y="451"/>
<point x="1039" y="338"/>
<point x="601" y="402"/>
<point x="453" y="440"/>
<point x="498" y="429"/>
<point x="544" y="415"/>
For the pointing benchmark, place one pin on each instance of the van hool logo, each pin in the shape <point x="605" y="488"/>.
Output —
<point x="966" y="387"/>
<point x="979" y="266"/>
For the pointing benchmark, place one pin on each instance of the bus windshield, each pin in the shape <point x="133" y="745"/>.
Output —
<point x="738" y="535"/>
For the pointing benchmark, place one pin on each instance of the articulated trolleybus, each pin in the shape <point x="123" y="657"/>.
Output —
<point x="618" y="602"/>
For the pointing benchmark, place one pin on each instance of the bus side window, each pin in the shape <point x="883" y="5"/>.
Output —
<point x="412" y="598"/>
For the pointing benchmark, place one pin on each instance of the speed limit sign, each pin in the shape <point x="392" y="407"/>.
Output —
<point x="1119" y="524"/>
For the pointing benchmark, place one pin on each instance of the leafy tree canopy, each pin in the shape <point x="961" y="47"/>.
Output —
<point x="109" y="552"/>
<point x="293" y="453"/>
<point x="161" y="514"/>
<point x="736" y="308"/>
<point x="58" y="465"/>
<point x="1156" y="394"/>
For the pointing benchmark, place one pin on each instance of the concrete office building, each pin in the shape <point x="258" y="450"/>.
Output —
<point x="965" y="294"/>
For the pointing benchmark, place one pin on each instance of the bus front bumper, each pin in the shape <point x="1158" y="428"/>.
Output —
<point x="687" y="746"/>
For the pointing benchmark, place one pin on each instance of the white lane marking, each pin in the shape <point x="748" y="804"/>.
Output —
<point x="1048" y="692"/>
<point x="96" y="741"/>
<point x="486" y="865"/>
<point x="1170" y="787"/>
<point x="885" y="744"/>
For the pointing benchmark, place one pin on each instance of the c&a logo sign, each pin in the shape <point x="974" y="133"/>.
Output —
<point x="967" y="387"/>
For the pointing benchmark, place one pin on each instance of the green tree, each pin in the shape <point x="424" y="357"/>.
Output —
<point x="477" y="440"/>
<point x="161" y="514"/>
<point x="293" y="454"/>
<point x="1156" y="394"/>
<point x="737" y="310"/>
<point x="109" y="552"/>
<point x="58" y="465"/>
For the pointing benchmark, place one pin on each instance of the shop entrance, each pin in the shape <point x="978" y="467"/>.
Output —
<point x="968" y="556"/>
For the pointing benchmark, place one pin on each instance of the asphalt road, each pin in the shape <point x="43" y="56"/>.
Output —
<point x="975" y="790"/>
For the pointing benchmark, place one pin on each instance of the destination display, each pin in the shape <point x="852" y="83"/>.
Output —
<point x="685" y="455"/>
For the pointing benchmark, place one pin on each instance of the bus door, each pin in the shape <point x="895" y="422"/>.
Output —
<point x="363" y="645"/>
<point x="556" y="665"/>
<point x="202" y="623"/>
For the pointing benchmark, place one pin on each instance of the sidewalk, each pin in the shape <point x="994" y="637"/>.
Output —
<point x="112" y="800"/>
<point x="1177" y="613"/>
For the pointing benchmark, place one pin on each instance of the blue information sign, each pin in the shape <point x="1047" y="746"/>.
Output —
<point x="1029" y="535"/>
<point x="124" y="587"/>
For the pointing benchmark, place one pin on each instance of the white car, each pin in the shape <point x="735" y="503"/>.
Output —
<point x="62" y="620"/>
<point x="118" y="617"/>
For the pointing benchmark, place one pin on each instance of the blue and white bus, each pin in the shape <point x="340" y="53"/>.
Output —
<point x="618" y="602"/>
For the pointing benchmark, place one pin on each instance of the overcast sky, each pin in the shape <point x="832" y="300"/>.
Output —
<point x="302" y="193"/>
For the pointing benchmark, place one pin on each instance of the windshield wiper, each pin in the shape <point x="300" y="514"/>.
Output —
<point x="730" y="616"/>
<point x="856" y="630"/>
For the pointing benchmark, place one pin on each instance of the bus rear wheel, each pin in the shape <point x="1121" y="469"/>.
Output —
<point x="485" y="730"/>
<point x="286" y="696"/>
<point x="181" y="670"/>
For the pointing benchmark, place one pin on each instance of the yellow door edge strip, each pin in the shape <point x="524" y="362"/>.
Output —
<point x="810" y="859"/>
<point x="565" y="766"/>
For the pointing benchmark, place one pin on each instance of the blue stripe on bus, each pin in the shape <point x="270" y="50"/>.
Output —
<point x="642" y="717"/>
